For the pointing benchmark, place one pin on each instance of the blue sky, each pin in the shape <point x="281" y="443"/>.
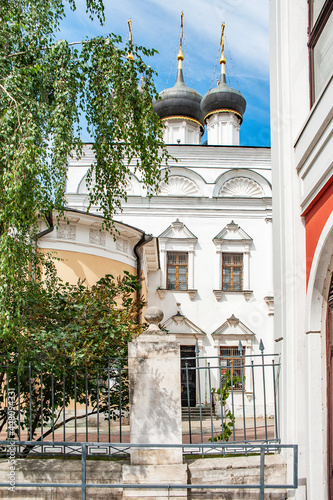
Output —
<point x="156" y="24"/>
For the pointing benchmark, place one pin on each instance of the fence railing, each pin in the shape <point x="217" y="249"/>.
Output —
<point x="69" y="405"/>
<point x="225" y="399"/>
<point x="85" y="449"/>
<point x="231" y="398"/>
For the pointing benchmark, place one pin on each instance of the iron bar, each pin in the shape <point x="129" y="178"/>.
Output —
<point x="64" y="405"/>
<point x="211" y="402"/>
<point x="30" y="404"/>
<point x="188" y="402"/>
<point x="232" y="403"/>
<point x="52" y="403"/>
<point x="120" y="404"/>
<point x="75" y="412"/>
<point x="275" y="403"/>
<point x="97" y="396"/>
<point x="221" y="398"/>
<point x="109" y="409"/>
<point x="19" y="403"/>
<point x="254" y="401"/>
<point x="86" y="383"/>
<point x="197" y="363"/>
<point x="243" y="393"/>
<point x="41" y="406"/>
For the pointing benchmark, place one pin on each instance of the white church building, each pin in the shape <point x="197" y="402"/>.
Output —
<point x="209" y="266"/>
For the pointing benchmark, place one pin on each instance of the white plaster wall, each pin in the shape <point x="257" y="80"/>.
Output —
<point x="299" y="166"/>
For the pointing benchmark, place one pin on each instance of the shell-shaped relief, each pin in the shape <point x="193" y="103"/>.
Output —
<point x="241" y="186"/>
<point x="129" y="187"/>
<point x="179" y="186"/>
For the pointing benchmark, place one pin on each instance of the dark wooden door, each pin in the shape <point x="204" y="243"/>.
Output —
<point x="329" y="344"/>
<point x="187" y="355"/>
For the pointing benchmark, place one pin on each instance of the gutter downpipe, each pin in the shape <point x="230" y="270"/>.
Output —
<point x="49" y="220"/>
<point x="146" y="238"/>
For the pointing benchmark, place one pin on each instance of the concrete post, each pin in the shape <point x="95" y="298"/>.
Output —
<point x="155" y="411"/>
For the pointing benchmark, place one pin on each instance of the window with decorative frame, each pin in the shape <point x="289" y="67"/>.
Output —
<point x="177" y="270"/>
<point x="233" y="260"/>
<point x="320" y="45"/>
<point x="232" y="272"/>
<point x="177" y="250"/>
<point x="232" y="361"/>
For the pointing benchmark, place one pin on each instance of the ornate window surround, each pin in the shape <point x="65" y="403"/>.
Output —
<point x="228" y="335"/>
<point x="233" y="239"/>
<point x="177" y="238"/>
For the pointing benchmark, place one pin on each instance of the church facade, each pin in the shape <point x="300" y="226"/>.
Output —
<point x="208" y="264"/>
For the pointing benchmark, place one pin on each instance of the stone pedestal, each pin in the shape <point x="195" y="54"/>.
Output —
<point x="155" y="412"/>
<point x="155" y="475"/>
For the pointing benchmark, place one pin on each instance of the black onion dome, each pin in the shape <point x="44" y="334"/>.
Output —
<point x="223" y="99"/>
<point x="180" y="101"/>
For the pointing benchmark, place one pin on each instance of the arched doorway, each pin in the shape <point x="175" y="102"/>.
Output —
<point x="329" y="340"/>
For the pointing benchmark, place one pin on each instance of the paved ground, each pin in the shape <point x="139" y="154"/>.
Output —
<point x="196" y="434"/>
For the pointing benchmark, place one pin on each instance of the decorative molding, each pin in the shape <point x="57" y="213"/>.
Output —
<point x="192" y="294"/>
<point x="241" y="186"/>
<point x="218" y="294"/>
<point x="66" y="232"/>
<point x="97" y="237"/>
<point x="178" y="230"/>
<point x="269" y="299"/>
<point x="247" y="294"/>
<point x="233" y="328"/>
<point x="232" y="233"/>
<point x="179" y="186"/>
<point x="161" y="292"/>
<point x="181" y="325"/>
<point x="122" y="245"/>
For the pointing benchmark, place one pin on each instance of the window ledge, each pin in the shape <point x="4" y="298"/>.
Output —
<point x="161" y="292"/>
<point x="219" y="293"/>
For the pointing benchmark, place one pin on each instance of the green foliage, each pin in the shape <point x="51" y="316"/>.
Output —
<point x="223" y="392"/>
<point x="73" y="340"/>
<point x="46" y="87"/>
<point x="75" y="323"/>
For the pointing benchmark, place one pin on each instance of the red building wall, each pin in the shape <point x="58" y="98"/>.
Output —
<point x="316" y="216"/>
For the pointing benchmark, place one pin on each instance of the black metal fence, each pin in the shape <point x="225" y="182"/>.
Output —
<point x="231" y="397"/>
<point x="69" y="405"/>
